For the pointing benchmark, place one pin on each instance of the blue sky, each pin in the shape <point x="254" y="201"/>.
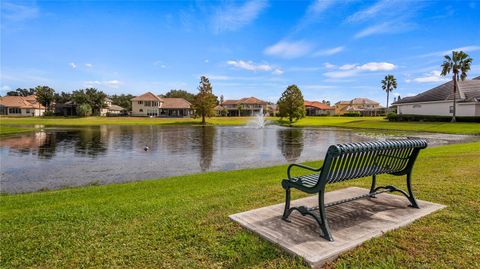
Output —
<point x="333" y="50"/>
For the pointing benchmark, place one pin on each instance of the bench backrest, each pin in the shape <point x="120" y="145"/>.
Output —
<point x="356" y="160"/>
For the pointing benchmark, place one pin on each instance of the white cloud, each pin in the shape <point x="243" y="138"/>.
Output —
<point x="377" y="66"/>
<point x="277" y="71"/>
<point x="288" y="50"/>
<point x="350" y="70"/>
<point x="314" y="11"/>
<point x="471" y="48"/>
<point x="434" y="76"/>
<point x="107" y="83"/>
<point x="372" y="66"/>
<point x="206" y="61"/>
<point x="72" y="65"/>
<point x="88" y="65"/>
<point x="372" y="11"/>
<point x="232" y="17"/>
<point x="329" y="65"/>
<point x="389" y="27"/>
<point x="16" y="12"/>
<point x="6" y="88"/>
<point x="251" y="66"/>
<point x="328" y="52"/>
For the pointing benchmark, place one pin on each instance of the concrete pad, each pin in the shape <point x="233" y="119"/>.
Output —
<point x="351" y="223"/>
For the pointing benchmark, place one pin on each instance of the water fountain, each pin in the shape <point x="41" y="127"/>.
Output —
<point x="259" y="120"/>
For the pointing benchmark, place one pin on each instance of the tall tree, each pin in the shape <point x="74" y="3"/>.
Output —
<point x="204" y="102"/>
<point x="389" y="83"/>
<point x="21" y="92"/>
<point x="291" y="104"/>
<point x="45" y="96"/>
<point x="123" y="100"/>
<point x="458" y="65"/>
<point x="63" y="97"/>
<point x="190" y="97"/>
<point x="92" y="97"/>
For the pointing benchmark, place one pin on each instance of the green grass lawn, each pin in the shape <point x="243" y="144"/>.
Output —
<point x="347" y="122"/>
<point x="182" y="222"/>
<point x="8" y="130"/>
<point x="381" y="123"/>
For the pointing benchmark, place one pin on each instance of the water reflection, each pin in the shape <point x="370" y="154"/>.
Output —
<point x="206" y="137"/>
<point x="70" y="156"/>
<point x="290" y="142"/>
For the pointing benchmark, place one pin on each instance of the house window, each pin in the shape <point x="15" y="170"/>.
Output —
<point x="141" y="110"/>
<point x="140" y="102"/>
<point x="417" y="106"/>
<point x="28" y="111"/>
<point x="14" y="110"/>
<point x="451" y="109"/>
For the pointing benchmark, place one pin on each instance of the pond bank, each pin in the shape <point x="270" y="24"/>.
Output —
<point x="348" y="122"/>
<point x="183" y="221"/>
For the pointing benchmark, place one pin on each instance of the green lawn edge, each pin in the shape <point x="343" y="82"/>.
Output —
<point x="375" y="123"/>
<point x="182" y="222"/>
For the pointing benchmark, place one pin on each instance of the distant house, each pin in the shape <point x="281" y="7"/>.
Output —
<point x="315" y="108"/>
<point x="25" y="106"/>
<point x="149" y="104"/>
<point x="70" y="109"/>
<point x="244" y="107"/>
<point x="439" y="100"/>
<point x="365" y="106"/>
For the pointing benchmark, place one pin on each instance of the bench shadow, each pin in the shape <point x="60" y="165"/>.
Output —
<point x="303" y="229"/>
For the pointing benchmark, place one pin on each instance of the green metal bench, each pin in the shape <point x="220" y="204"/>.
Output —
<point x="351" y="161"/>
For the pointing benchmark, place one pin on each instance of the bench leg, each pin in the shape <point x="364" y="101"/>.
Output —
<point x="287" y="210"/>
<point x="411" y="197"/>
<point x="374" y="185"/>
<point x="323" y="217"/>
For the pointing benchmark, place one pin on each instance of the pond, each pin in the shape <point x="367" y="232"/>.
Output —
<point x="57" y="157"/>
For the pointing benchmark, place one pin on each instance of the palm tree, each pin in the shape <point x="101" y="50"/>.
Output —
<point x="388" y="84"/>
<point x="458" y="65"/>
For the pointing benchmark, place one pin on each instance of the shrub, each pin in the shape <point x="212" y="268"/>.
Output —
<point x="48" y="113"/>
<point x="84" y="110"/>
<point x="352" y="114"/>
<point x="429" y="118"/>
<point x="392" y="116"/>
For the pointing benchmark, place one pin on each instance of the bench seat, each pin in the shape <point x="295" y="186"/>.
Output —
<point x="351" y="161"/>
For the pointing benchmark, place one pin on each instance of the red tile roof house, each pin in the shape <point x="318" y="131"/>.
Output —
<point x="244" y="107"/>
<point x="315" y="108"/>
<point x="24" y="106"/>
<point x="149" y="104"/>
<point x="365" y="106"/>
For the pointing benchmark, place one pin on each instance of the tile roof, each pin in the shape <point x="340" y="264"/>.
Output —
<point x="115" y="108"/>
<point x="247" y="100"/>
<point x="468" y="90"/>
<point x="20" y="101"/>
<point x="175" y="103"/>
<point x="358" y="101"/>
<point x="318" y="105"/>
<point x="148" y="96"/>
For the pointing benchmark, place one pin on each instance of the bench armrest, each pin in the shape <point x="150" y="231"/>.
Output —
<point x="301" y="166"/>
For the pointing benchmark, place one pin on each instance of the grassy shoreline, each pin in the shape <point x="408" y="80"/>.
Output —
<point x="377" y="123"/>
<point x="183" y="221"/>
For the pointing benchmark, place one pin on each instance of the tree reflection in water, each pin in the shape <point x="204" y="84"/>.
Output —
<point x="290" y="142"/>
<point x="206" y="136"/>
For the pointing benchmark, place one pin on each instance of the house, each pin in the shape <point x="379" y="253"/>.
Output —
<point x="439" y="100"/>
<point x="149" y="104"/>
<point x="315" y="108"/>
<point x="70" y="109"/>
<point x="25" y="106"/>
<point x="365" y="106"/>
<point x="248" y="106"/>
